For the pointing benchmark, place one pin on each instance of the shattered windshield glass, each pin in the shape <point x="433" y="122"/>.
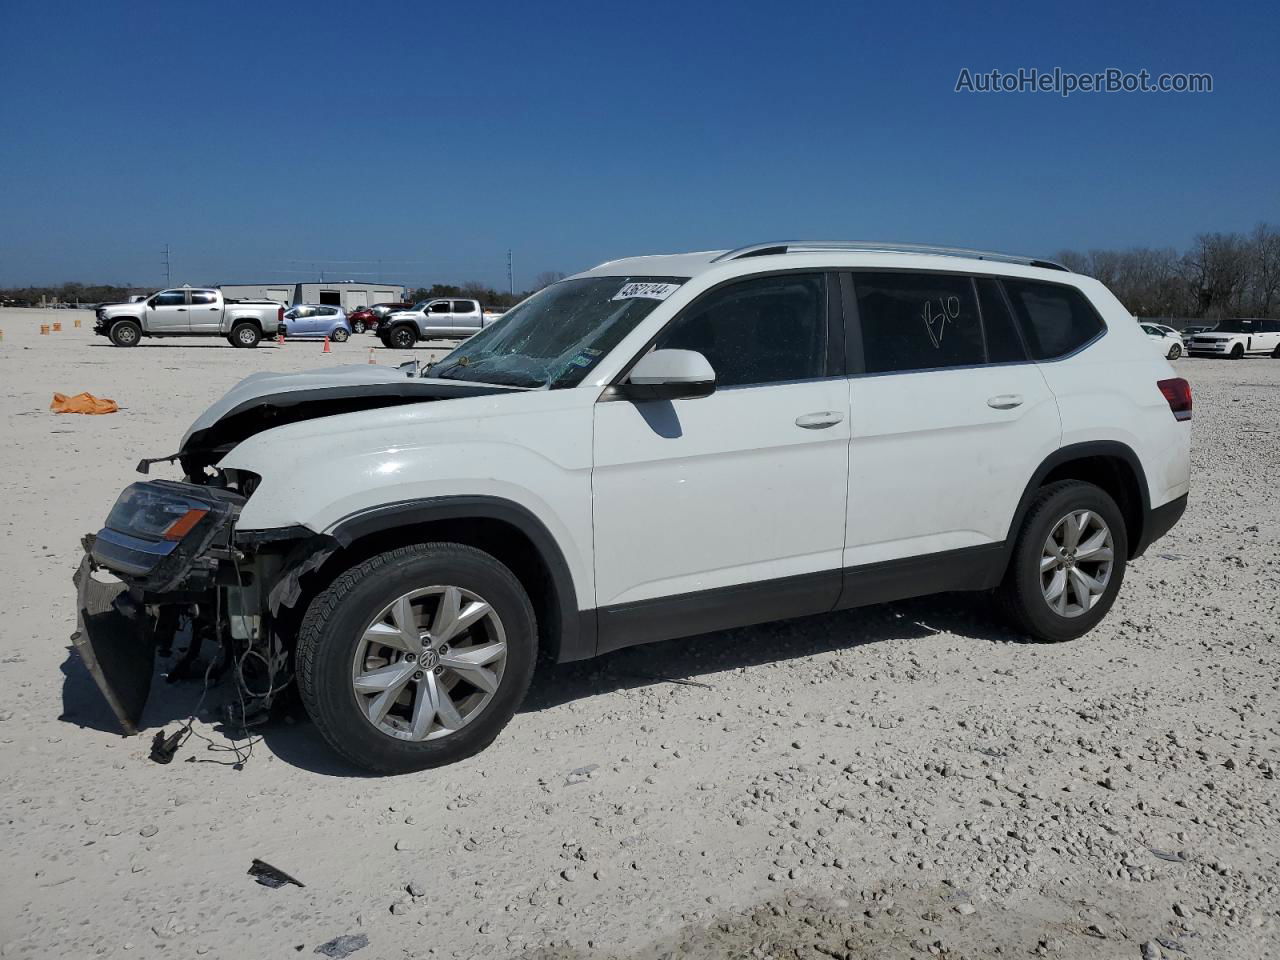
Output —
<point x="558" y="335"/>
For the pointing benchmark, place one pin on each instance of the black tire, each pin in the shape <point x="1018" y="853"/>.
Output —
<point x="126" y="333"/>
<point x="401" y="337"/>
<point x="339" y="336"/>
<point x="1020" y="596"/>
<point x="1275" y="354"/>
<point x="1237" y="352"/>
<point x="245" y="335"/>
<point x="1175" y="351"/>
<point x="336" y="618"/>
<point x="357" y="326"/>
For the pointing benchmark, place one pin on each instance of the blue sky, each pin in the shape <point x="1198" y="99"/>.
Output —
<point x="258" y="139"/>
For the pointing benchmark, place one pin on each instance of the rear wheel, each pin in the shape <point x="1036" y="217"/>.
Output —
<point x="245" y="335"/>
<point x="1067" y="564"/>
<point x="126" y="333"/>
<point x="417" y="657"/>
<point x="1237" y="352"/>
<point x="357" y="326"/>
<point x="401" y="338"/>
<point x="339" y="335"/>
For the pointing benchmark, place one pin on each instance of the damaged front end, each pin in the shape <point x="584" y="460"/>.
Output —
<point x="168" y="565"/>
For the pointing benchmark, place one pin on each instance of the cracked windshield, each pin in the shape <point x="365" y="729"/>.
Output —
<point x="557" y="336"/>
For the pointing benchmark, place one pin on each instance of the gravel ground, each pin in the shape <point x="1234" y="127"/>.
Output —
<point x="906" y="780"/>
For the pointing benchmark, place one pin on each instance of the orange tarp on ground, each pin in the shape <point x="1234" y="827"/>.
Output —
<point x="82" y="403"/>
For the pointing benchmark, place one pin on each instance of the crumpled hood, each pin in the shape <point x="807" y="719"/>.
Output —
<point x="266" y="384"/>
<point x="265" y="400"/>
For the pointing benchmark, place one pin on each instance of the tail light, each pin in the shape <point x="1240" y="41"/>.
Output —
<point x="1178" y="392"/>
<point x="280" y="315"/>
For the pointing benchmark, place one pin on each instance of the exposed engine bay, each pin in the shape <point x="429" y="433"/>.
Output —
<point x="171" y="576"/>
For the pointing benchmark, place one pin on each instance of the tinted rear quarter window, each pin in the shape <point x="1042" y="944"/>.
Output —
<point x="917" y="321"/>
<point x="1055" y="319"/>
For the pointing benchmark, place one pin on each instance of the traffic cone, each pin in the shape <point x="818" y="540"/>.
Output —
<point x="77" y="323"/>
<point x="280" y="338"/>
<point x="371" y="360"/>
<point x="57" y="326"/>
<point x="326" y="346"/>
<point x="44" y="329"/>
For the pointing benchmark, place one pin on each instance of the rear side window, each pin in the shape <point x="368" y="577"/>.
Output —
<point x="1003" y="343"/>
<point x="463" y="306"/>
<point x="1055" y="319"/>
<point x="918" y="321"/>
<point x="758" y="331"/>
<point x="203" y="296"/>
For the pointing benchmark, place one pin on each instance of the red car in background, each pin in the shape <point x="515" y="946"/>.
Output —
<point x="367" y="318"/>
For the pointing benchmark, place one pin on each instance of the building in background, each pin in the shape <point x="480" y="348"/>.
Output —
<point x="347" y="294"/>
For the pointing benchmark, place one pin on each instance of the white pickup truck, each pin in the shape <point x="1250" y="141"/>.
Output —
<point x="439" y="319"/>
<point x="189" y="312"/>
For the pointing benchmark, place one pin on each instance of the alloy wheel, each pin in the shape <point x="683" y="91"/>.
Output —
<point x="429" y="663"/>
<point x="1076" y="563"/>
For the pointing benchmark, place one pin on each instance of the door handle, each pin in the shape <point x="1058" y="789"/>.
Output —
<point x="182" y="309"/>
<point x="819" y="420"/>
<point x="1005" y="401"/>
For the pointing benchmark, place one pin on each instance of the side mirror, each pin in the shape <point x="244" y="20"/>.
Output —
<point x="669" y="375"/>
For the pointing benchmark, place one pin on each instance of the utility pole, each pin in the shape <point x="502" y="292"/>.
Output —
<point x="511" y="288"/>
<point x="168" y="271"/>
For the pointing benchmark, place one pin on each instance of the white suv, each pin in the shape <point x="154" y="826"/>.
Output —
<point x="655" y="448"/>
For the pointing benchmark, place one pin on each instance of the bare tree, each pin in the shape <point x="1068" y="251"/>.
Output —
<point x="1216" y="268"/>
<point x="547" y="278"/>
<point x="1264" y="262"/>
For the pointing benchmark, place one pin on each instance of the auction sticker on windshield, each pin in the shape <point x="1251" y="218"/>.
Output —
<point x="650" y="291"/>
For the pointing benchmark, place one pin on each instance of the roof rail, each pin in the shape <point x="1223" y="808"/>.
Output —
<point x="815" y="246"/>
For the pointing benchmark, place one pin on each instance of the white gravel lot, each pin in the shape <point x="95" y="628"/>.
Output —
<point x="900" y="781"/>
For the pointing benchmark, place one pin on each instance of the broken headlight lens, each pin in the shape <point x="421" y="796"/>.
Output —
<point x="156" y="512"/>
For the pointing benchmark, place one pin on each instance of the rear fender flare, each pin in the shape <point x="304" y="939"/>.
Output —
<point x="1080" y="451"/>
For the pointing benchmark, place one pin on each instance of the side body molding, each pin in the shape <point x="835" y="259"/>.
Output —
<point x="576" y="631"/>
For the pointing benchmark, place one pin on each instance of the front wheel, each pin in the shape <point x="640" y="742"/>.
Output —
<point x="1237" y="352"/>
<point x="246" y="335"/>
<point x="1175" y="351"/>
<point x="1068" y="562"/>
<point x="357" y="326"/>
<point x="417" y="657"/>
<point x="339" y="335"/>
<point x="400" y="338"/>
<point x="126" y="333"/>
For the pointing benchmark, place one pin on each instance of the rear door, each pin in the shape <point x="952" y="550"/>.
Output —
<point x="949" y="417"/>
<point x="466" y="318"/>
<point x="205" y="312"/>
<point x="167" y="312"/>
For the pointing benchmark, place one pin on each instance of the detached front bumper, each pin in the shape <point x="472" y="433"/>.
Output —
<point x="164" y="544"/>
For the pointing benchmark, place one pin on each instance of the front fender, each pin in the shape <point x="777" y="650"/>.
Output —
<point x="532" y="450"/>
